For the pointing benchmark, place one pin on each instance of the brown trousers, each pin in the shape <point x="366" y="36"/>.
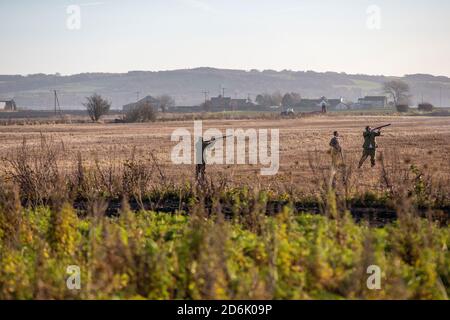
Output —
<point x="367" y="153"/>
<point x="336" y="157"/>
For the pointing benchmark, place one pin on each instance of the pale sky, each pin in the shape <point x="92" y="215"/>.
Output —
<point x="328" y="35"/>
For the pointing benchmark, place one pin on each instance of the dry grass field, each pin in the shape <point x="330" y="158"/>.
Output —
<point x="419" y="141"/>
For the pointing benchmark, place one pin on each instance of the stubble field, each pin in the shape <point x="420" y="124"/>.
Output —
<point x="419" y="141"/>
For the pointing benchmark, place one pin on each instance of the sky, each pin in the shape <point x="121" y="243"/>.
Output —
<point x="394" y="37"/>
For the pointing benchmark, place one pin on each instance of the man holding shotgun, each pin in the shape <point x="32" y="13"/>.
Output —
<point x="200" y="169"/>
<point x="369" y="146"/>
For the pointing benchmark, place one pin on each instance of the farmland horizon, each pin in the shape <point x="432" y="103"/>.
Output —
<point x="187" y="86"/>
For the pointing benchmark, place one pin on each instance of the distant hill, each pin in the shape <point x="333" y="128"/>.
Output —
<point x="187" y="85"/>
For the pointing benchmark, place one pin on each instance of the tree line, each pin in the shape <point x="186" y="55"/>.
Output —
<point x="289" y="99"/>
<point x="97" y="107"/>
<point x="397" y="91"/>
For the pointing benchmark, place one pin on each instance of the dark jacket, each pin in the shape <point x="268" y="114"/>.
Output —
<point x="369" y="139"/>
<point x="334" y="143"/>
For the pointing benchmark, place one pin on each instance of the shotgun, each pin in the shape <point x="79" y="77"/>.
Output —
<point x="381" y="127"/>
<point x="215" y="139"/>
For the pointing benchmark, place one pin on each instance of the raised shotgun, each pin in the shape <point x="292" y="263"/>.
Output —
<point x="215" y="139"/>
<point x="380" y="127"/>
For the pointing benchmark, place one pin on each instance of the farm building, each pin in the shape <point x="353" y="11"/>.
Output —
<point x="227" y="103"/>
<point x="220" y="102"/>
<point x="8" y="105"/>
<point x="148" y="99"/>
<point x="317" y="103"/>
<point x="373" y="102"/>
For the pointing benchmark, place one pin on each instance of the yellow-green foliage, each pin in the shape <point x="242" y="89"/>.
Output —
<point x="174" y="256"/>
<point x="62" y="231"/>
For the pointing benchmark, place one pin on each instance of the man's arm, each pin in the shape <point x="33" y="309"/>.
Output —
<point x="209" y="143"/>
<point x="332" y="142"/>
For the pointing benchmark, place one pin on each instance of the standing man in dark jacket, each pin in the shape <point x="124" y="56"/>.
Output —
<point x="336" y="150"/>
<point x="200" y="168"/>
<point x="369" y="146"/>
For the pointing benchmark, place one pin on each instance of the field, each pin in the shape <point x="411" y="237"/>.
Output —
<point x="421" y="141"/>
<point x="107" y="199"/>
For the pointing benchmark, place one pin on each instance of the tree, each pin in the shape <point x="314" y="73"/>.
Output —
<point x="398" y="91"/>
<point x="287" y="100"/>
<point x="166" y="102"/>
<point x="291" y="99"/>
<point x="296" y="98"/>
<point x="260" y="100"/>
<point x="264" y="100"/>
<point x="206" y="106"/>
<point x="425" y="107"/>
<point x="276" y="99"/>
<point x="402" y="107"/>
<point x="143" y="112"/>
<point x="96" y="106"/>
<point x="268" y="100"/>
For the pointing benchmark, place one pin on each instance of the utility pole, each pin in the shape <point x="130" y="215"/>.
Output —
<point x="206" y="95"/>
<point x="223" y="92"/>
<point x="137" y="95"/>
<point x="57" y="106"/>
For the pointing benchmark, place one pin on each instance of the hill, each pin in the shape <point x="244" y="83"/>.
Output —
<point x="187" y="85"/>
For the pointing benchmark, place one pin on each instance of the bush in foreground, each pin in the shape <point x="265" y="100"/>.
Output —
<point x="161" y="256"/>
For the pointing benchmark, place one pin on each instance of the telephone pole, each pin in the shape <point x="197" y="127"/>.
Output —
<point x="57" y="105"/>
<point x="206" y="95"/>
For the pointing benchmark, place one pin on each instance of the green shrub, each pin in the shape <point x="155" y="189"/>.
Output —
<point x="163" y="256"/>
